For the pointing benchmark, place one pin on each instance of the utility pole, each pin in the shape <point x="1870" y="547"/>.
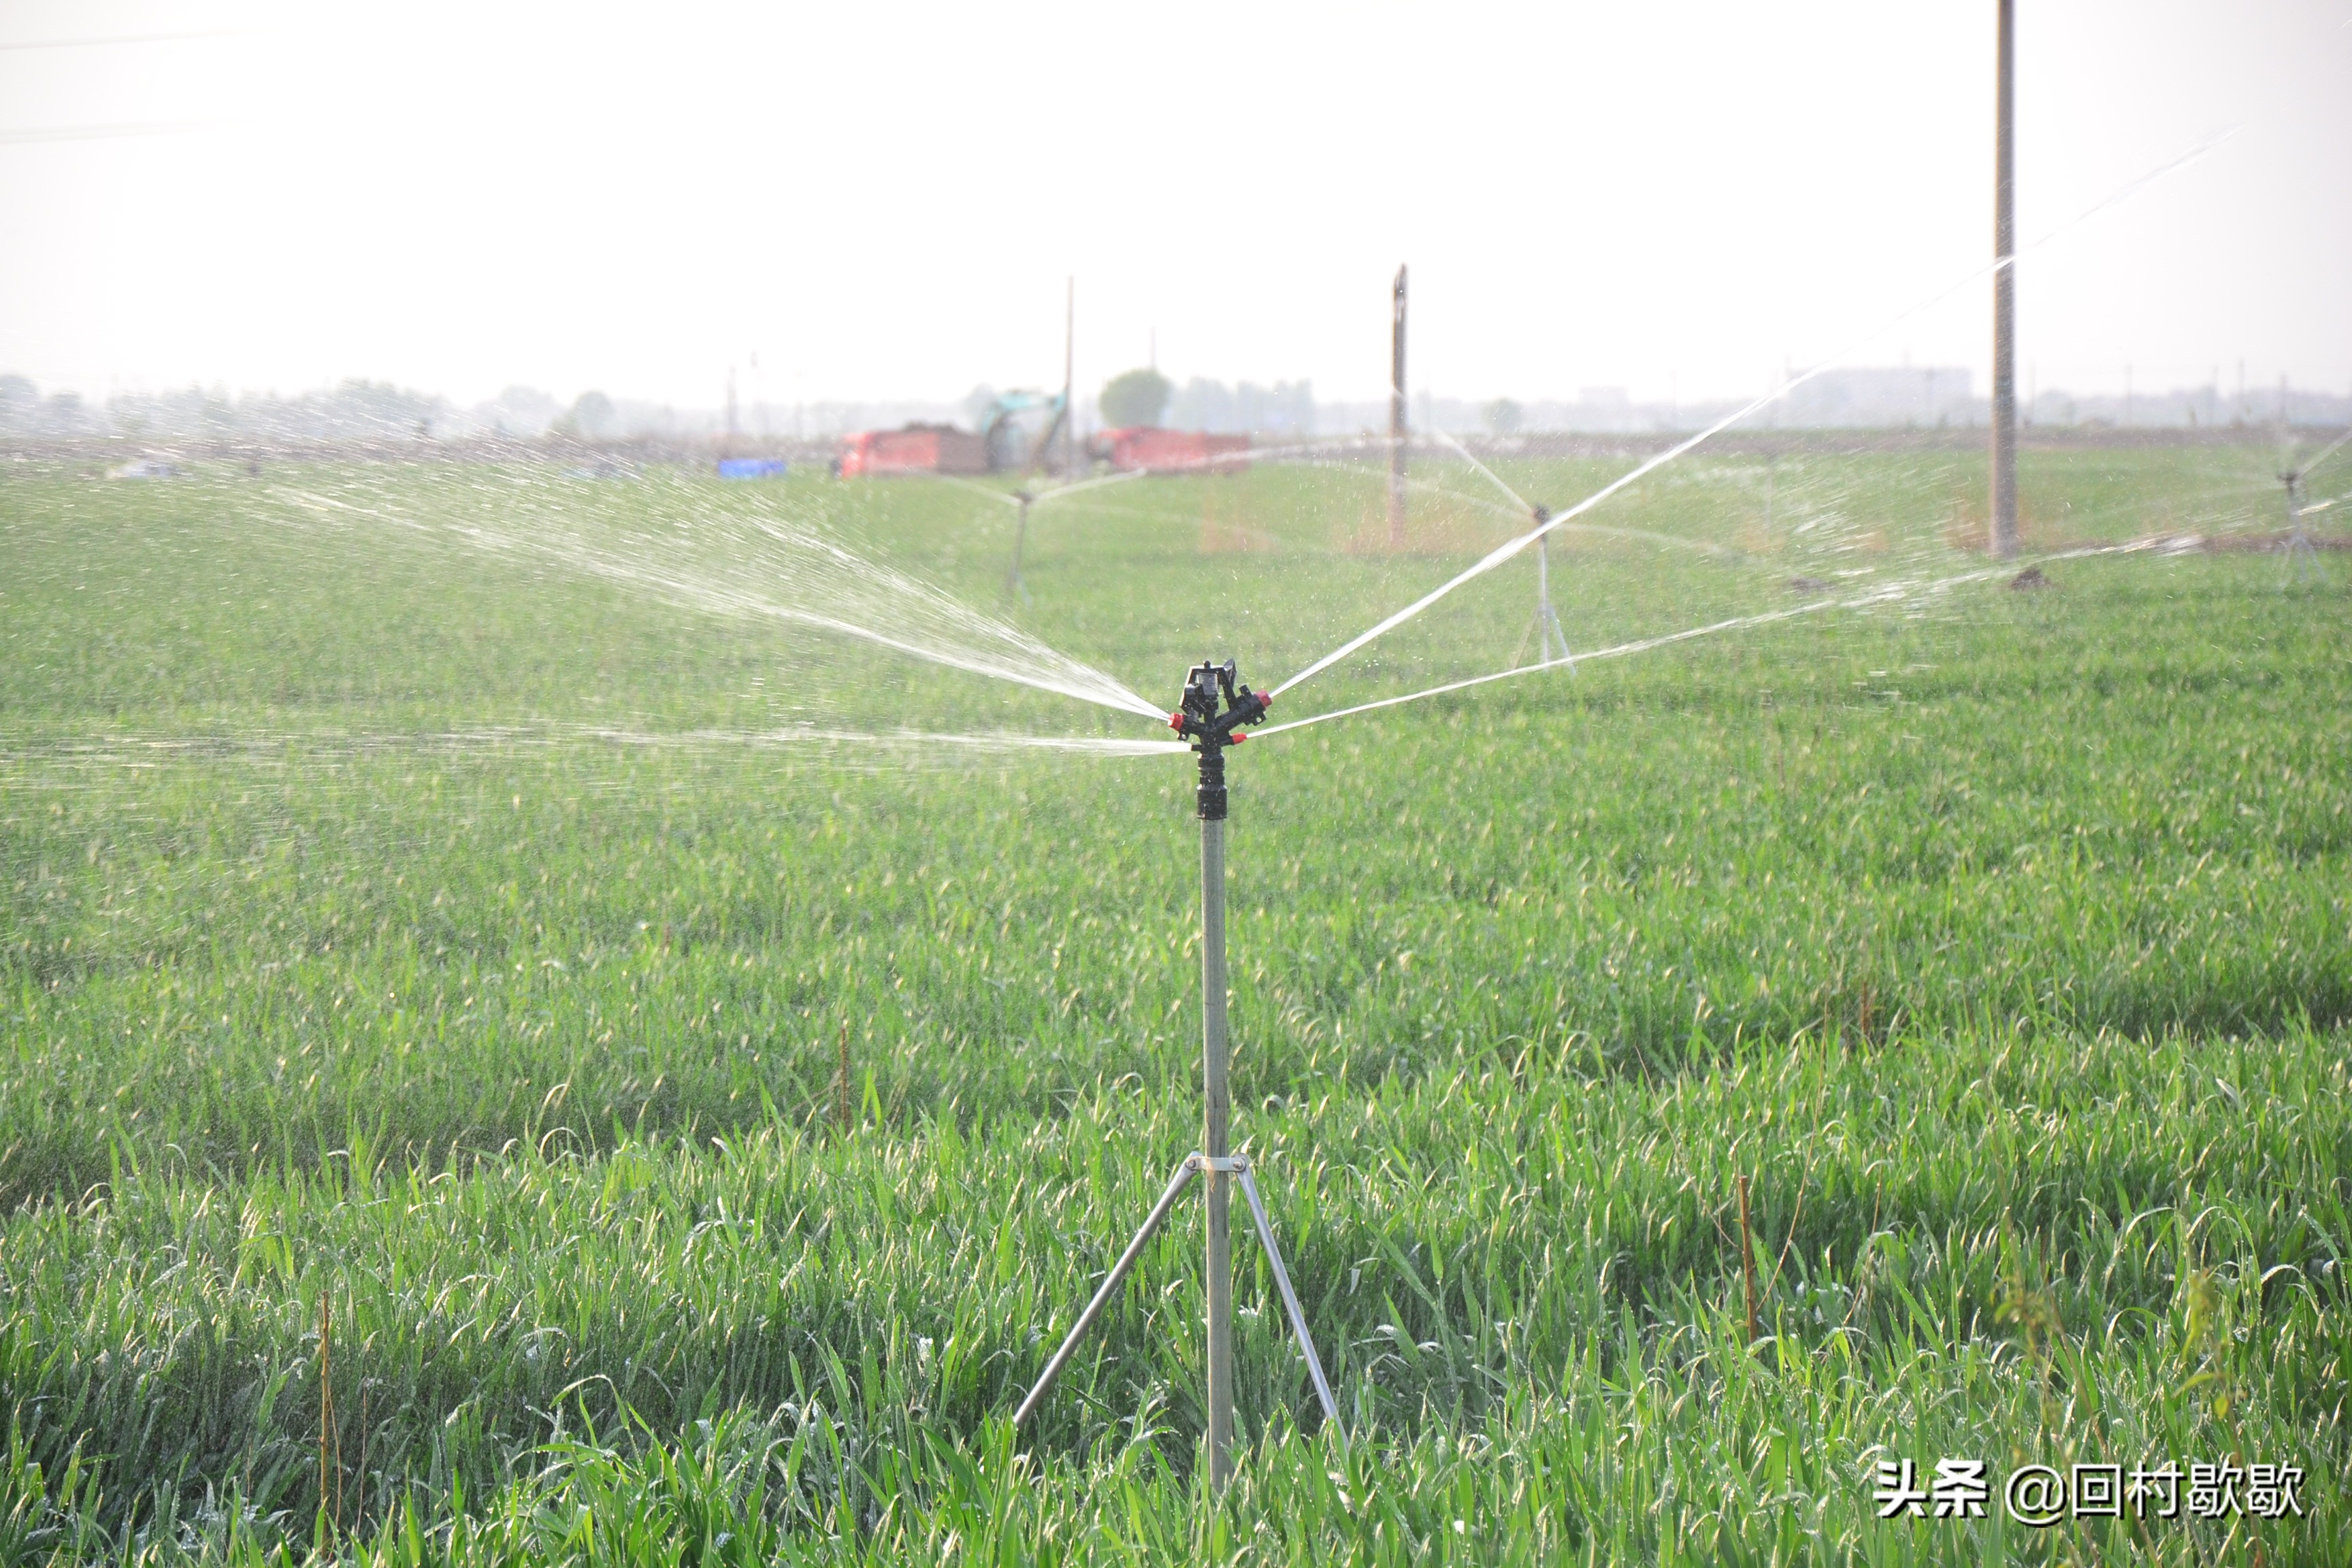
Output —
<point x="1069" y="382"/>
<point x="1396" y="418"/>
<point x="2003" y="542"/>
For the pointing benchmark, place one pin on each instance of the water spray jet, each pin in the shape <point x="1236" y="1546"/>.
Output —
<point x="1215" y="708"/>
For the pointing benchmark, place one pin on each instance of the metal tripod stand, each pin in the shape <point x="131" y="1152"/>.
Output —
<point x="1545" y="628"/>
<point x="1211" y="732"/>
<point x="2302" y="559"/>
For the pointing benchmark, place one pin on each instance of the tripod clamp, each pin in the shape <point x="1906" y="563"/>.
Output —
<point x="1210" y="731"/>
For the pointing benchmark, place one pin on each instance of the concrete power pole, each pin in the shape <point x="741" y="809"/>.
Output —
<point x="1396" y="418"/>
<point x="2003" y="542"/>
<point x="1069" y="383"/>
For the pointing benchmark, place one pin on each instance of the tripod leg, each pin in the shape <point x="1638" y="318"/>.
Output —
<point x="1290" y="1304"/>
<point x="1111" y="1281"/>
<point x="1553" y="635"/>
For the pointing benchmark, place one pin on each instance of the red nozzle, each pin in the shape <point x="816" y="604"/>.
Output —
<point x="1237" y="738"/>
<point x="1176" y="722"/>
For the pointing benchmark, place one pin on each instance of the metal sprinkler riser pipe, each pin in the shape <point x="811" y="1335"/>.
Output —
<point x="1214" y="706"/>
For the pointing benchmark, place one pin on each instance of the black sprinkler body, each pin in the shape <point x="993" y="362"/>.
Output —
<point x="1199" y="721"/>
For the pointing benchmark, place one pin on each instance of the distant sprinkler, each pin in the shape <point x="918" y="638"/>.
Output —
<point x="2302" y="555"/>
<point x="2301" y="558"/>
<point x="1216" y="706"/>
<point x="1545" y="628"/>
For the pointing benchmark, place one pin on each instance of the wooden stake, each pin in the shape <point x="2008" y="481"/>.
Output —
<point x="841" y="1083"/>
<point x="327" y="1402"/>
<point x="361" y="1510"/>
<point x="1747" y="1261"/>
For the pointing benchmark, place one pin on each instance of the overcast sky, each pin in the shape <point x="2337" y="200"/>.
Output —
<point x="883" y="201"/>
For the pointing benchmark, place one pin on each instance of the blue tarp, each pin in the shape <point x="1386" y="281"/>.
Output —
<point x="750" y="467"/>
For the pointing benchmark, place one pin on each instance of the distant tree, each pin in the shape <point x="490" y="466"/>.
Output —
<point x="377" y="408"/>
<point x="592" y="418"/>
<point x="1503" y="416"/>
<point x="62" y="413"/>
<point x="1285" y="408"/>
<point x="1204" y="405"/>
<point x="524" y="410"/>
<point x="1135" y="398"/>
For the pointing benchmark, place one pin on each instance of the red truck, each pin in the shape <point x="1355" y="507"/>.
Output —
<point x="1156" y="451"/>
<point x="916" y="450"/>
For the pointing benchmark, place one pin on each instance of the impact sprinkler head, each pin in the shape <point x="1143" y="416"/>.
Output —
<point x="1541" y="513"/>
<point x="1199" y="721"/>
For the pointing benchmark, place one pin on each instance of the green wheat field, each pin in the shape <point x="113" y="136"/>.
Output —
<point x="436" y="902"/>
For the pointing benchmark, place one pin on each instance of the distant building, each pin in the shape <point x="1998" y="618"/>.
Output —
<point x="1882" y="398"/>
<point x="1284" y="409"/>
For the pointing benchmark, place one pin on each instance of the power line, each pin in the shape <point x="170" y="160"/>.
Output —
<point x="106" y="133"/>
<point x="133" y="39"/>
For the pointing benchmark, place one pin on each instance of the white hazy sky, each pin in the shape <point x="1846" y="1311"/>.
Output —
<point x="884" y="200"/>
